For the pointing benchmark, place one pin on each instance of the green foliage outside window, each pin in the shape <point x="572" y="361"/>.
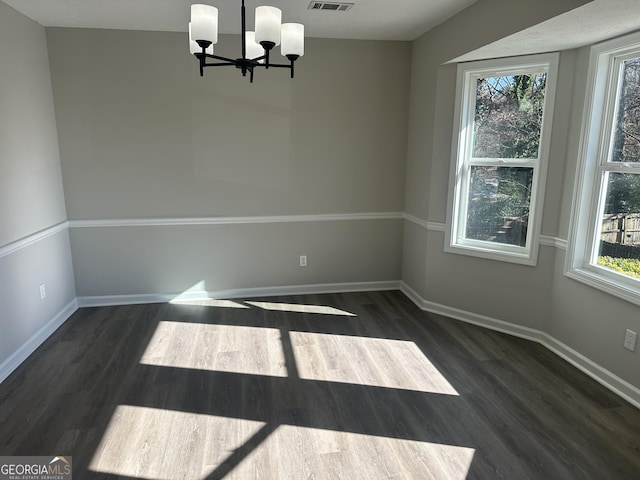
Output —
<point x="499" y="200"/>
<point x="508" y="116"/>
<point x="623" y="194"/>
<point x="628" y="266"/>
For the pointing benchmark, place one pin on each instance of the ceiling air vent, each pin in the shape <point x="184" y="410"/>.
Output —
<point x="336" y="7"/>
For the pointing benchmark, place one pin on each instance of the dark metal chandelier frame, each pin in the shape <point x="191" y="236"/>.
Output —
<point x="246" y="65"/>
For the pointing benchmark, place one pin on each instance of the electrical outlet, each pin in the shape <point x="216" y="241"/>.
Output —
<point x="43" y="291"/>
<point x="630" y="340"/>
<point x="303" y="260"/>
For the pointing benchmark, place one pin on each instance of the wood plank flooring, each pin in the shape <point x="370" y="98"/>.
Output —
<point x="341" y="386"/>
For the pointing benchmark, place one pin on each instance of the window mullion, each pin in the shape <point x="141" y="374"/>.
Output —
<point x="503" y="162"/>
<point x="620" y="167"/>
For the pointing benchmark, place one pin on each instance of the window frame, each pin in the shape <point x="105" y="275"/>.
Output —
<point x="462" y="160"/>
<point x="597" y="135"/>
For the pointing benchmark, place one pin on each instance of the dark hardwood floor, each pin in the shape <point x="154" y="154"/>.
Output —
<point x="352" y="386"/>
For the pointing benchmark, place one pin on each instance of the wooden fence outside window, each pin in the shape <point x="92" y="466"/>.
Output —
<point x="620" y="235"/>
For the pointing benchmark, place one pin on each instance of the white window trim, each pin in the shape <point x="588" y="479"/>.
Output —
<point x="594" y="146"/>
<point x="527" y="255"/>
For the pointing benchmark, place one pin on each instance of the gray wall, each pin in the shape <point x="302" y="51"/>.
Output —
<point x="173" y="259"/>
<point x="588" y="321"/>
<point x="31" y="193"/>
<point x="143" y="136"/>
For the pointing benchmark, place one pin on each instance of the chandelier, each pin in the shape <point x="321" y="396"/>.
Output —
<point x="256" y="45"/>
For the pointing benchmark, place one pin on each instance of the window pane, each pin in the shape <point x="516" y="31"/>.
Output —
<point x="508" y="116"/>
<point x="498" y="209"/>
<point x="626" y="142"/>
<point x="620" y="231"/>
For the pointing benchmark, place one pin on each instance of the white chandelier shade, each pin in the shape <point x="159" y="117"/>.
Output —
<point x="204" y="23"/>
<point x="292" y="39"/>
<point x="194" y="47"/>
<point x="254" y="49"/>
<point x="268" y="25"/>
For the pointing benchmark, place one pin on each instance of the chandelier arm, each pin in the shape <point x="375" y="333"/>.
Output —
<point x="225" y="64"/>
<point x="217" y="57"/>
<point x="278" y="65"/>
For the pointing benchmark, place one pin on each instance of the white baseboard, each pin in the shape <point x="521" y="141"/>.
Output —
<point x="19" y="356"/>
<point x="600" y="374"/>
<point x="100" y="301"/>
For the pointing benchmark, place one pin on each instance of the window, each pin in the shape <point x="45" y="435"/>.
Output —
<point x="501" y="142"/>
<point x="604" y="250"/>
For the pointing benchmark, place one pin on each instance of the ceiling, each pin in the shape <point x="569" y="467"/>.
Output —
<point x="366" y="20"/>
<point x="591" y="23"/>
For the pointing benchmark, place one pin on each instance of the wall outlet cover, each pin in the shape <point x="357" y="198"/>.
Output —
<point x="630" y="340"/>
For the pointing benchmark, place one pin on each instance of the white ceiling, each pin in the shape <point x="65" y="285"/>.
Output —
<point x="591" y="23"/>
<point x="367" y="19"/>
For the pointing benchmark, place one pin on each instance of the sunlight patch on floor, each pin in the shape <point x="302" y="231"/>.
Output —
<point x="207" y="302"/>
<point x="198" y="295"/>
<point x="329" y="454"/>
<point x="301" y="308"/>
<point x="150" y="443"/>
<point x="377" y="362"/>
<point x="223" y="348"/>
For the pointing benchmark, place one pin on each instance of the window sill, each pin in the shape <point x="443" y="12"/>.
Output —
<point x="620" y="289"/>
<point x="524" y="258"/>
